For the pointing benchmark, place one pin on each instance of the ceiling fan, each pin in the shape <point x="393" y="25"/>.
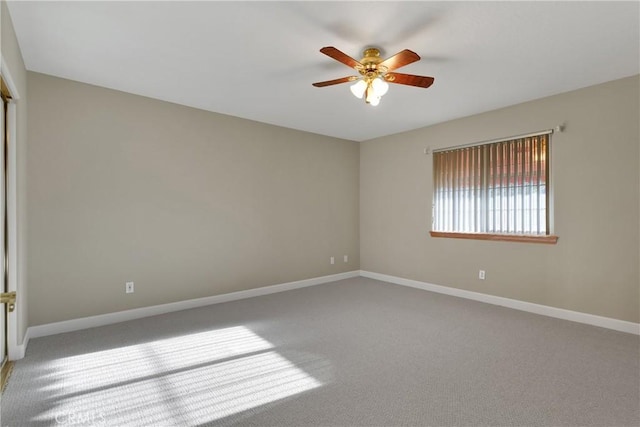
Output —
<point x="375" y="73"/>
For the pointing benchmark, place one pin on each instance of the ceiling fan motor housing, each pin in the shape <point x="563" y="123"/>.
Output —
<point x="370" y="61"/>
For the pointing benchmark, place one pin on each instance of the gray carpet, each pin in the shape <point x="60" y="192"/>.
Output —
<point x="357" y="352"/>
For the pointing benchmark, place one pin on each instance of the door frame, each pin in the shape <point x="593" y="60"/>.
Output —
<point x="13" y="349"/>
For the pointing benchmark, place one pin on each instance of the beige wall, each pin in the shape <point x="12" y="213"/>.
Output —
<point x="188" y="203"/>
<point x="183" y="202"/>
<point x="594" y="266"/>
<point x="13" y="59"/>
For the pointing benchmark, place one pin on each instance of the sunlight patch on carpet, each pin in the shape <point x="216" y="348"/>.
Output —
<point x="122" y="364"/>
<point x="187" y="380"/>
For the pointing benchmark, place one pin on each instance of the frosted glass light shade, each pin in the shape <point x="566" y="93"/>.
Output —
<point x="380" y="87"/>
<point x="358" y="88"/>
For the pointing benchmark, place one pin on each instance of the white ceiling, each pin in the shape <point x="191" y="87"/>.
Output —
<point x="257" y="60"/>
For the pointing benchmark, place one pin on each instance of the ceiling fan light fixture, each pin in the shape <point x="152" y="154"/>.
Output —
<point x="358" y="88"/>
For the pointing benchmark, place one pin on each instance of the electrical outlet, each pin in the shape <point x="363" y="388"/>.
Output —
<point x="346" y="258"/>
<point x="481" y="275"/>
<point x="332" y="260"/>
<point x="128" y="287"/>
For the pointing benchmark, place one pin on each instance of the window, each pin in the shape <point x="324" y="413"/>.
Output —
<point x="497" y="190"/>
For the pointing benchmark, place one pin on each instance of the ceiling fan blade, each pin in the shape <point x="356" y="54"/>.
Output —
<point x="336" y="81"/>
<point x="409" y="79"/>
<point x="400" y="59"/>
<point x="340" y="56"/>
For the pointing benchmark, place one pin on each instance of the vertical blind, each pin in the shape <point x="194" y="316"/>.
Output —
<point x="496" y="188"/>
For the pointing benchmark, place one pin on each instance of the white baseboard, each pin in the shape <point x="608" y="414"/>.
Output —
<point x="137" y="313"/>
<point x="559" y="313"/>
<point x="19" y="350"/>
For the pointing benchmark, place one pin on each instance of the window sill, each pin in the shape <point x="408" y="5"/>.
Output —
<point x="551" y="240"/>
